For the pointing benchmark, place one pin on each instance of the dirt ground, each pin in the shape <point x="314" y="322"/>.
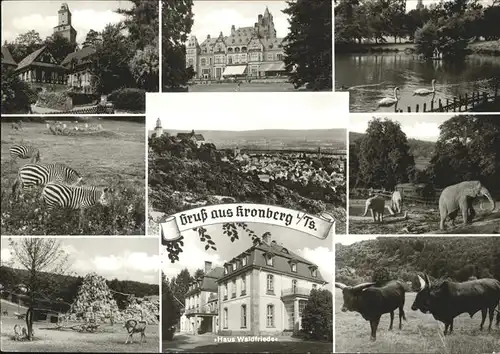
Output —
<point x="421" y="219"/>
<point x="106" y="339"/>
<point x="421" y="333"/>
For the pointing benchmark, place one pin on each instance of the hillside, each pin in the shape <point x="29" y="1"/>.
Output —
<point x="456" y="258"/>
<point x="420" y="149"/>
<point x="333" y="139"/>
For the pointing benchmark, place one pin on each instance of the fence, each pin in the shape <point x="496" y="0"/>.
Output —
<point x="99" y="109"/>
<point x="466" y="103"/>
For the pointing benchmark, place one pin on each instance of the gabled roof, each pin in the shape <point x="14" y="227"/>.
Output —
<point x="27" y="61"/>
<point x="209" y="281"/>
<point x="198" y="137"/>
<point x="79" y="56"/>
<point x="7" y="57"/>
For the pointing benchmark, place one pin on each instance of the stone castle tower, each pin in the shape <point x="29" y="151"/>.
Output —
<point x="64" y="26"/>
<point x="265" y="25"/>
<point x="420" y="5"/>
<point x="158" y="128"/>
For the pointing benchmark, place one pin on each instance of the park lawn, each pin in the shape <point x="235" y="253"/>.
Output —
<point x="113" y="157"/>
<point x="274" y="347"/>
<point x="106" y="339"/>
<point x="420" y="333"/>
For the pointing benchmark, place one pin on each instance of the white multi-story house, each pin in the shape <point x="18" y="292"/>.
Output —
<point x="264" y="290"/>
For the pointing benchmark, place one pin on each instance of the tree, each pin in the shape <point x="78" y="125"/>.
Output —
<point x="59" y="46"/>
<point x="16" y="94"/>
<point x="308" y="46"/>
<point x="24" y="45"/>
<point x="381" y="275"/>
<point x="354" y="148"/>
<point x="145" y="68"/>
<point x="112" y="60"/>
<point x="384" y="158"/>
<point x="177" y="22"/>
<point x="317" y="317"/>
<point x="38" y="255"/>
<point x="142" y="23"/>
<point x="93" y="38"/>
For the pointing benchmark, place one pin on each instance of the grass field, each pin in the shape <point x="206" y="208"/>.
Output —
<point x="112" y="157"/>
<point x="106" y="339"/>
<point x="421" y="219"/>
<point x="420" y="333"/>
<point x="245" y="87"/>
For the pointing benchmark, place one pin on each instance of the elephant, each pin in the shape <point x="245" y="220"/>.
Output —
<point x="460" y="196"/>
<point x="376" y="205"/>
<point x="396" y="202"/>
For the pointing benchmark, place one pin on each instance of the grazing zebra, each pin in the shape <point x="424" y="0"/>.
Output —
<point x="24" y="152"/>
<point x="74" y="197"/>
<point x="31" y="175"/>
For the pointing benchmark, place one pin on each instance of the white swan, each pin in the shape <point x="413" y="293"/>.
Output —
<point x="426" y="92"/>
<point x="389" y="101"/>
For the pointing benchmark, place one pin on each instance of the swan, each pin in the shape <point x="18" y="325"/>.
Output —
<point x="425" y="92"/>
<point x="389" y="101"/>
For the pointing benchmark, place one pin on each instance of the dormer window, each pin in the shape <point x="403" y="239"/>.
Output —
<point x="244" y="261"/>
<point x="269" y="259"/>
<point x="225" y="270"/>
<point x="314" y="271"/>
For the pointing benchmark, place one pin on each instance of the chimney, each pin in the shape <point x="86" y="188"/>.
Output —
<point x="266" y="238"/>
<point x="208" y="36"/>
<point x="208" y="266"/>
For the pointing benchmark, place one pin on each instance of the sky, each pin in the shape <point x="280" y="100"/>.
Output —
<point x="20" y="16"/>
<point x="416" y="126"/>
<point x="129" y="258"/>
<point x="212" y="17"/>
<point x="248" y="110"/>
<point x="412" y="4"/>
<point x="194" y="255"/>
<point x="349" y="240"/>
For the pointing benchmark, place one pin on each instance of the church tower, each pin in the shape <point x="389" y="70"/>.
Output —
<point x="265" y="25"/>
<point x="158" y="128"/>
<point x="64" y="26"/>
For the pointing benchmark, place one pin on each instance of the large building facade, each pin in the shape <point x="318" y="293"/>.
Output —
<point x="248" y="52"/>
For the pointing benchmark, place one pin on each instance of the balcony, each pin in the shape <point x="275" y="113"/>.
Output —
<point x="204" y="310"/>
<point x="233" y="295"/>
<point x="295" y="292"/>
<point x="243" y="292"/>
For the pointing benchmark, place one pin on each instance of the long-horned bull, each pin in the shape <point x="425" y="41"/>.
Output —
<point x="447" y="300"/>
<point x="134" y="326"/>
<point x="372" y="302"/>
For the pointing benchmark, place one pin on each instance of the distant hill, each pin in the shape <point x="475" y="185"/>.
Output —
<point x="269" y="138"/>
<point x="420" y="149"/>
<point x="457" y="258"/>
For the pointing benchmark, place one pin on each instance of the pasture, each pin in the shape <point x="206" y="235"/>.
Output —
<point x="105" y="339"/>
<point x="112" y="157"/>
<point x="420" y="333"/>
<point x="421" y="219"/>
<point x="244" y="87"/>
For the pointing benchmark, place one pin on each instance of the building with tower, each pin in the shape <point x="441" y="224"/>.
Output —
<point x="158" y="129"/>
<point x="64" y="27"/>
<point x="247" y="52"/>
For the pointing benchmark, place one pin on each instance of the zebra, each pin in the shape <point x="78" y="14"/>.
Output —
<point x="24" y="152"/>
<point x="58" y="195"/>
<point x="31" y="175"/>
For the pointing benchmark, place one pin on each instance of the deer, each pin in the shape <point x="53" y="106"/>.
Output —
<point x="134" y="326"/>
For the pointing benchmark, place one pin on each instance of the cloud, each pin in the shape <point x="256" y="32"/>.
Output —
<point x="321" y="256"/>
<point x="425" y="131"/>
<point x="6" y="255"/>
<point x="82" y="20"/>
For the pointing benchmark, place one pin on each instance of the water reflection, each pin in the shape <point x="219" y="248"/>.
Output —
<point x="370" y="78"/>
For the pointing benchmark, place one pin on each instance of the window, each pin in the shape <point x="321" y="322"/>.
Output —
<point x="243" y="316"/>
<point x="225" y="317"/>
<point x="270" y="316"/>
<point x="294" y="286"/>
<point x="270" y="284"/>
<point x="269" y="260"/>
<point x="203" y="61"/>
<point x="233" y="288"/>
<point x="294" y="267"/>
<point x="229" y="60"/>
<point x="279" y="56"/>
<point x="314" y="272"/>
<point x="225" y="270"/>
<point x="225" y="291"/>
<point x="244" y="261"/>
<point x="243" y="285"/>
<point x="270" y="56"/>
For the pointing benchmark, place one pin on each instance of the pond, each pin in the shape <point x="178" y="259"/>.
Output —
<point x="371" y="77"/>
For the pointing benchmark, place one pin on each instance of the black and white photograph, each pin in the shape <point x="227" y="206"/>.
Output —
<point x="80" y="295"/>
<point x="79" y="57"/>
<point x="246" y="46"/>
<point x="417" y="294"/>
<point x="418" y="55"/>
<point x="416" y="174"/>
<point x="285" y="152"/>
<point x="271" y="294"/>
<point x="73" y="176"/>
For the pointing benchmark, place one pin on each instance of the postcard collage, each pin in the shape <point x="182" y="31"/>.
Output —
<point x="250" y="176"/>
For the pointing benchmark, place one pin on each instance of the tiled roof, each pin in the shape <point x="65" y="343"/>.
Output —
<point x="31" y="58"/>
<point x="7" y="57"/>
<point x="209" y="281"/>
<point x="198" y="137"/>
<point x="281" y="262"/>
<point x="80" y="56"/>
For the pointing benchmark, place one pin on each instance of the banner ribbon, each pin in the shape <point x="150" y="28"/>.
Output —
<point x="319" y="226"/>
